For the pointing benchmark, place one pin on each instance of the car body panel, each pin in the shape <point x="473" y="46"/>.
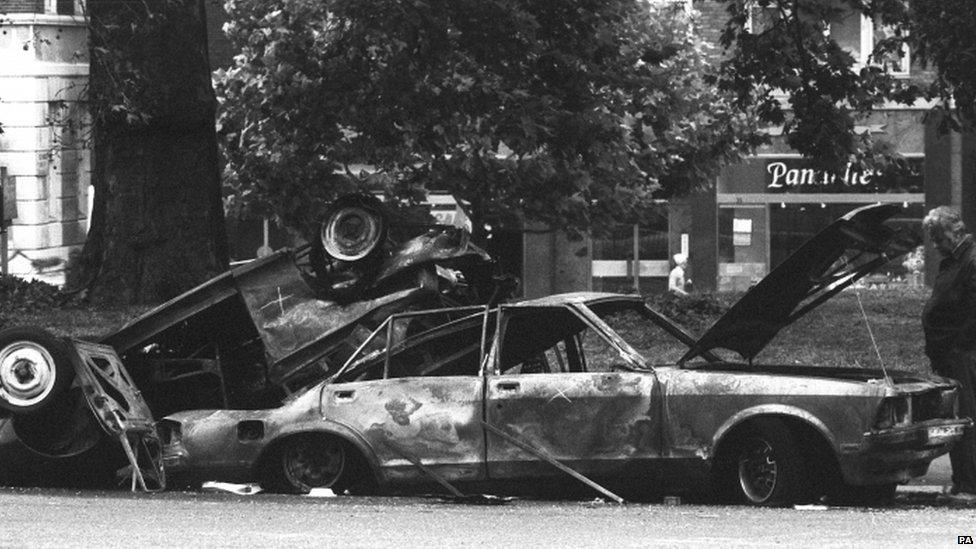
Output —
<point x="436" y="419"/>
<point x="703" y="406"/>
<point x="593" y="422"/>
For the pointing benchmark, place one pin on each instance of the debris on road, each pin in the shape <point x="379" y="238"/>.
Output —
<point x="231" y="488"/>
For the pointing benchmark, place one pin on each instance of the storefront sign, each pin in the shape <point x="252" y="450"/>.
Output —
<point x="792" y="176"/>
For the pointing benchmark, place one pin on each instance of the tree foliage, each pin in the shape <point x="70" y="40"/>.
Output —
<point x="941" y="34"/>
<point x="575" y="113"/>
<point x="784" y="59"/>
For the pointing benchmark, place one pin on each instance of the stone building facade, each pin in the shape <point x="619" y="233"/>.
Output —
<point x="45" y="158"/>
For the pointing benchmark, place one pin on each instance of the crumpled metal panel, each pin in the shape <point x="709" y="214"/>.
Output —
<point x="121" y="411"/>
<point x="445" y="247"/>
<point x="140" y="331"/>
<point x="295" y="325"/>
<point x="284" y="307"/>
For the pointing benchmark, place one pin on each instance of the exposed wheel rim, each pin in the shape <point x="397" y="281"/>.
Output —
<point x="27" y="373"/>
<point x="351" y="233"/>
<point x="758" y="470"/>
<point x="308" y="465"/>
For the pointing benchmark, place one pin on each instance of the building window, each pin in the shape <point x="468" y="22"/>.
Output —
<point x="896" y="65"/>
<point x="66" y="7"/>
<point x="677" y="5"/>
<point x="763" y="18"/>
<point x="854" y="32"/>
<point x="859" y="35"/>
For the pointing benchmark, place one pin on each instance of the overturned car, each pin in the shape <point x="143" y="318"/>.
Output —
<point x="492" y="397"/>
<point x="73" y="412"/>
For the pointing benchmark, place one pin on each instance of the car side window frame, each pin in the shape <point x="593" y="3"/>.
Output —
<point x="386" y="330"/>
<point x="492" y="364"/>
<point x="627" y="352"/>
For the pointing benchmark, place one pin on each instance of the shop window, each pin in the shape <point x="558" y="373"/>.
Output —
<point x="614" y="256"/>
<point x="793" y="224"/>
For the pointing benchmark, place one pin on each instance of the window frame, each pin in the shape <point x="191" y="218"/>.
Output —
<point x="386" y="331"/>
<point x="867" y="32"/>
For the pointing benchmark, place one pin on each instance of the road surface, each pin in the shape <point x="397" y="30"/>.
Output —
<point x="62" y="518"/>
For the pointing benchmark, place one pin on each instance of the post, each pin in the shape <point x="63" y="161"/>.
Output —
<point x="3" y="222"/>
<point x="3" y="247"/>
<point x="637" y="258"/>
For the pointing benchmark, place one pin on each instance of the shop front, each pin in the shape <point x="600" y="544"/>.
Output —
<point x="769" y="205"/>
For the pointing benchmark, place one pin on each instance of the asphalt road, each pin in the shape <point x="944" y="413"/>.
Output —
<point x="59" y="518"/>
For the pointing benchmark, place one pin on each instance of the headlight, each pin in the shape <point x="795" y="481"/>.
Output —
<point x="170" y="432"/>
<point x="250" y="430"/>
<point x="893" y="411"/>
<point x="950" y="403"/>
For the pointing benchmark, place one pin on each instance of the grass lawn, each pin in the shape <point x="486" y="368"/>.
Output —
<point x="837" y="334"/>
<point x="74" y="321"/>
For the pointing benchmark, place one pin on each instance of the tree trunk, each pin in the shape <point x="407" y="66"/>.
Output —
<point x="157" y="221"/>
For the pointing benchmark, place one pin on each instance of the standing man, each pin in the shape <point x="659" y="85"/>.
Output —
<point x="949" y="321"/>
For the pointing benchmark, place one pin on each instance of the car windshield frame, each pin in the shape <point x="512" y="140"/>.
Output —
<point x="637" y="303"/>
<point x="589" y="318"/>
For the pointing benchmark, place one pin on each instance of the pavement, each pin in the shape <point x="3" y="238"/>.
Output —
<point x="937" y="481"/>
<point x="933" y="488"/>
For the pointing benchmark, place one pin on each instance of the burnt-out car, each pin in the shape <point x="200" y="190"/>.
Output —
<point x="70" y="414"/>
<point x="608" y="387"/>
<point x="246" y="339"/>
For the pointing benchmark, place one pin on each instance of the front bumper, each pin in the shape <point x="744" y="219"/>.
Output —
<point x="899" y="454"/>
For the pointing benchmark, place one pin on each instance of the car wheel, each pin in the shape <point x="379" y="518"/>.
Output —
<point x="34" y="369"/>
<point x="304" y="463"/>
<point x="766" y="467"/>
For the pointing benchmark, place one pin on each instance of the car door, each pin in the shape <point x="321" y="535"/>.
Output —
<point x="559" y="384"/>
<point x="417" y="397"/>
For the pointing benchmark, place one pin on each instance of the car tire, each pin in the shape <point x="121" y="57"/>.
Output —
<point x="302" y="463"/>
<point x="35" y="369"/>
<point x="764" y="466"/>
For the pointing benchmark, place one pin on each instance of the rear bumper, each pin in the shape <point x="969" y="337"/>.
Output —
<point x="900" y="454"/>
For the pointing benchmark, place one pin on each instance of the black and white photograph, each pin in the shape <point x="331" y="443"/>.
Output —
<point x="487" y="273"/>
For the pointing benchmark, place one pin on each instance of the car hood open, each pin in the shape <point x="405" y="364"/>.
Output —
<point x="848" y="249"/>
